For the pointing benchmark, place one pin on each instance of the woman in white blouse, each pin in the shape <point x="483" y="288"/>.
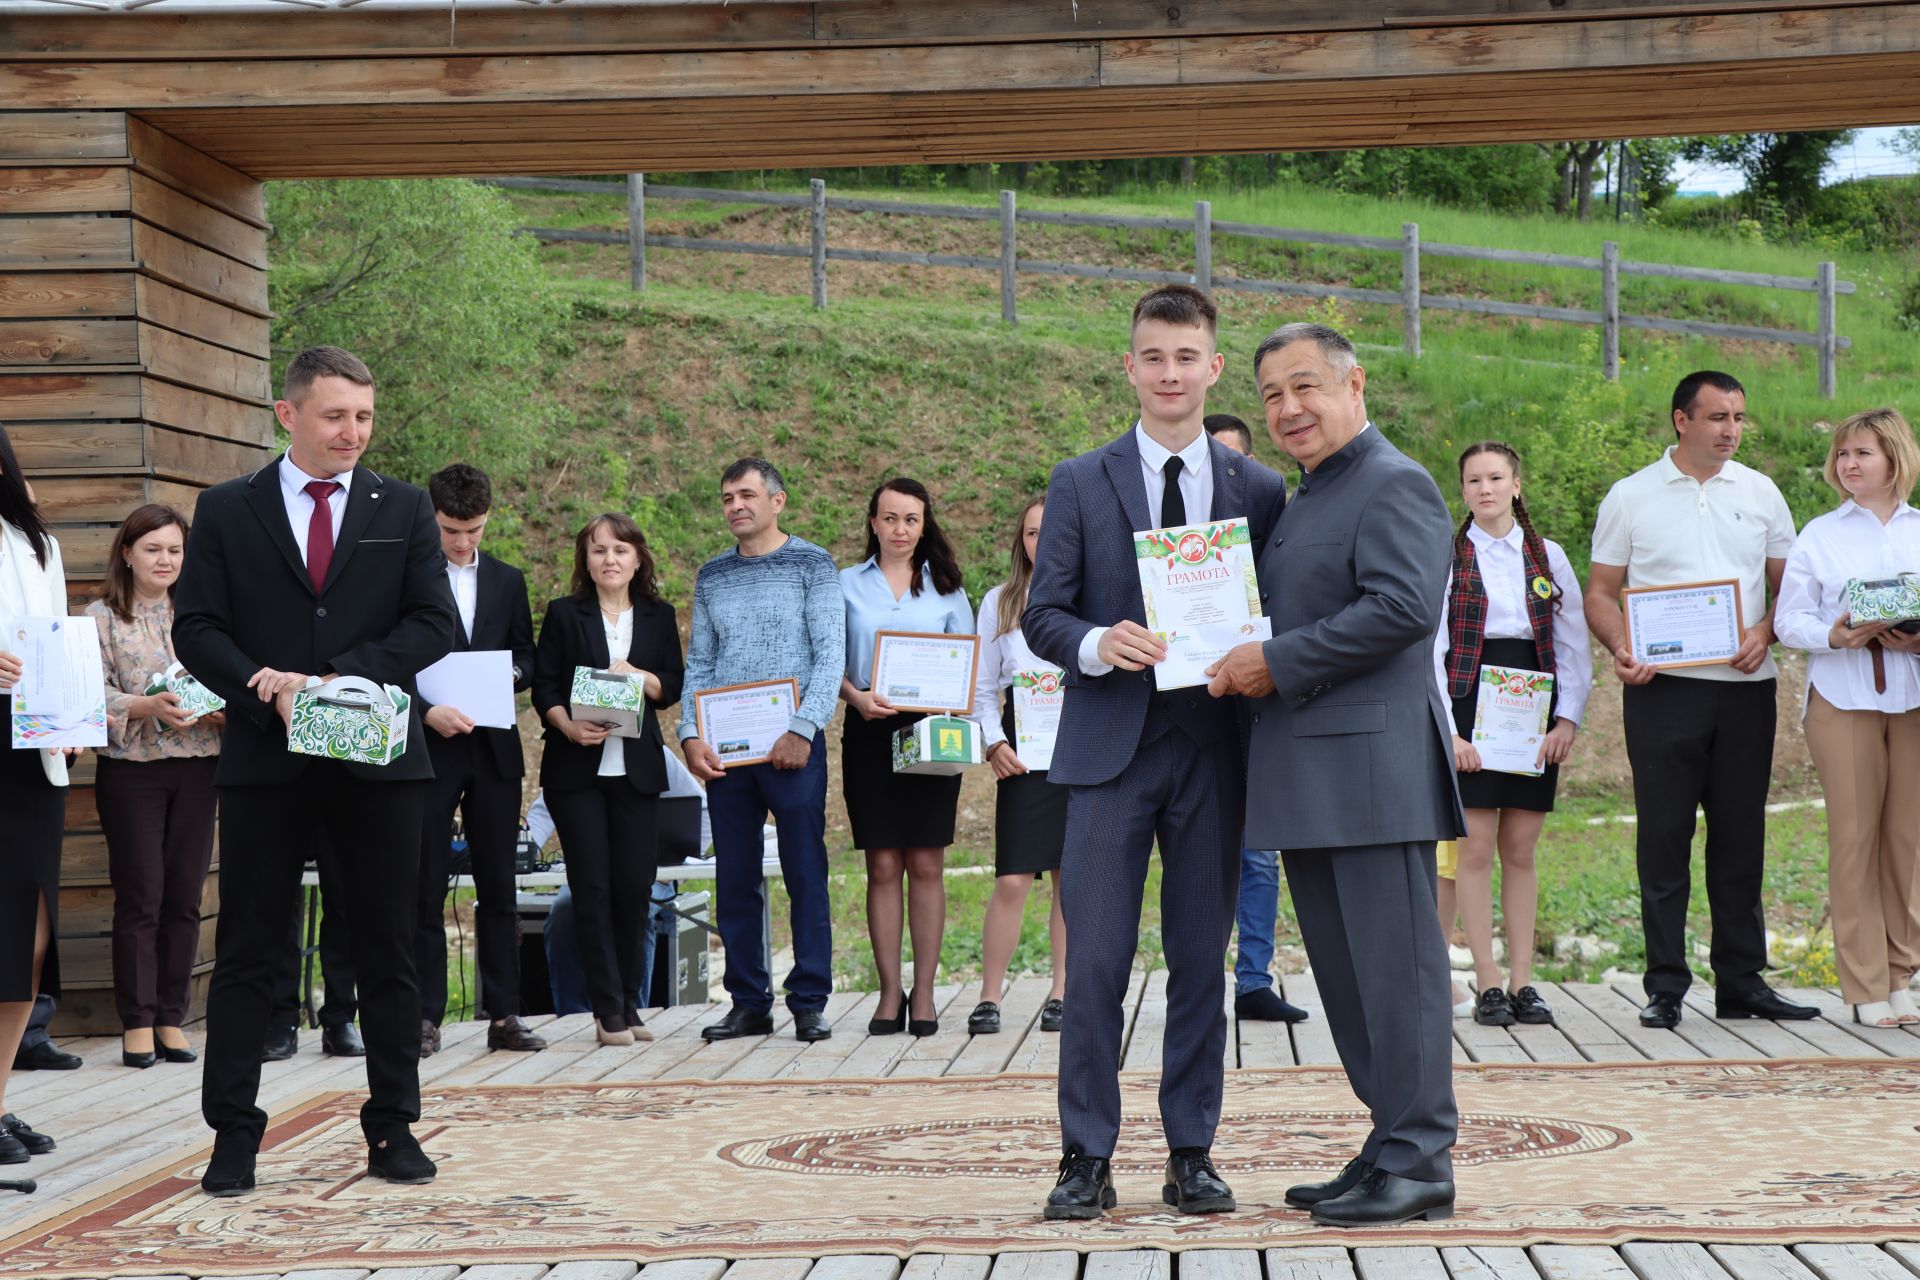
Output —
<point x="1862" y="711"/>
<point x="1512" y="601"/>
<point x="1030" y="813"/>
<point x="33" y="795"/>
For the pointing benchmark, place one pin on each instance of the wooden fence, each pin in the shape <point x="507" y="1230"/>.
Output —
<point x="1410" y="248"/>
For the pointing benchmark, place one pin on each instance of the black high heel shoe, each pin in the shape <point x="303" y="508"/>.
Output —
<point x="139" y="1060"/>
<point x="890" y="1026"/>
<point x="919" y="1026"/>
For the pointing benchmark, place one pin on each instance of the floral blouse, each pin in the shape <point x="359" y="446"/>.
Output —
<point x="132" y="652"/>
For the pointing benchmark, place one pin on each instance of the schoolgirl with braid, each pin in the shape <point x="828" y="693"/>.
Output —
<point x="1512" y="601"/>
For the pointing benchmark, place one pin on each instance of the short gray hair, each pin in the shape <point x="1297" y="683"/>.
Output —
<point x="1333" y="344"/>
<point x="768" y="473"/>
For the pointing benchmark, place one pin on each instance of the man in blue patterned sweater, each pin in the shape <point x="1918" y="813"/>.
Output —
<point x="770" y="609"/>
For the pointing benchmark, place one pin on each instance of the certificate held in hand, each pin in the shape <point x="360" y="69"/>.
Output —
<point x="1693" y="624"/>
<point x="926" y="670"/>
<point x="741" y="722"/>
<point x="1202" y="596"/>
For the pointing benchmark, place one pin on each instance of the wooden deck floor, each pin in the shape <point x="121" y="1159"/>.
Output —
<point x="108" y="1119"/>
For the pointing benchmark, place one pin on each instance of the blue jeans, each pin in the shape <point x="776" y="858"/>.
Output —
<point x="566" y="980"/>
<point x="737" y="806"/>
<point x="1259" y="907"/>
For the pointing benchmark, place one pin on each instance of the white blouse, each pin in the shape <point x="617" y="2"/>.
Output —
<point x="1002" y="656"/>
<point x="1847" y="542"/>
<point x="30" y="589"/>
<point x="1503" y="573"/>
<point x="613" y="752"/>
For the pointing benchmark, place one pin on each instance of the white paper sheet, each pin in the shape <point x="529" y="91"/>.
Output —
<point x="61" y="700"/>
<point x="478" y="683"/>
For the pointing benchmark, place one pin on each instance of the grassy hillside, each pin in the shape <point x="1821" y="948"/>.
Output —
<point x="911" y="372"/>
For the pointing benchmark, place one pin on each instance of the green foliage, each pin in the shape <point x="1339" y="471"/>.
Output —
<point x="426" y="282"/>
<point x="1783" y="168"/>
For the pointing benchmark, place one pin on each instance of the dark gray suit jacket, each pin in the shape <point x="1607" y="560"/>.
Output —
<point x="1354" y="747"/>
<point x="1086" y="576"/>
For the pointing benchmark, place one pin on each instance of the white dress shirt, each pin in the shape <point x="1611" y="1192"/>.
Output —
<point x="613" y="754"/>
<point x="1003" y="655"/>
<point x="1503" y="574"/>
<point x="1196" y="489"/>
<point x="1848" y="542"/>
<point x="465" y="581"/>
<point x="293" y="491"/>
<point x="1666" y="528"/>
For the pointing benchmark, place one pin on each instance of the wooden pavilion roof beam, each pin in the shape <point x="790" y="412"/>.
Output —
<point x="664" y="87"/>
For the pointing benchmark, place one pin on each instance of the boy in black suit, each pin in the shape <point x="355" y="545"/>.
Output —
<point x="477" y="771"/>
<point x="313" y="565"/>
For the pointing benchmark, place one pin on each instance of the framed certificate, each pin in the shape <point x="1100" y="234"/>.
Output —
<point x="1694" y="624"/>
<point x="926" y="670"/>
<point x="741" y="722"/>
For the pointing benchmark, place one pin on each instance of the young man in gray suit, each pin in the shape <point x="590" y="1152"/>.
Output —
<point x="1143" y="765"/>
<point x="1351" y="764"/>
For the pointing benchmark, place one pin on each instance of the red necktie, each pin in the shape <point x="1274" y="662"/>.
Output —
<point x="320" y="532"/>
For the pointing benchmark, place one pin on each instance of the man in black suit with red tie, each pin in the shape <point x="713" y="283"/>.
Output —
<point x="477" y="771"/>
<point x="313" y="566"/>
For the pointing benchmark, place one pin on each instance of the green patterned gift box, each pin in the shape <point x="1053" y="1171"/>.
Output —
<point x="1895" y="599"/>
<point x="350" y="718"/>
<point x="938" y="744"/>
<point x="195" y="698"/>
<point x="612" y="698"/>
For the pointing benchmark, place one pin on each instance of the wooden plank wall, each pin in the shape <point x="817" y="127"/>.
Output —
<point x="133" y="369"/>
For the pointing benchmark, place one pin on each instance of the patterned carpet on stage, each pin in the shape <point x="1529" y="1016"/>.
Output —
<point x="1713" y="1151"/>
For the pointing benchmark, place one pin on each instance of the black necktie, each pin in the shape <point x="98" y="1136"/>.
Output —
<point x="1173" y="507"/>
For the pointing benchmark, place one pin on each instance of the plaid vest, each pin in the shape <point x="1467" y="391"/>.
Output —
<point x="1467" y="613"/>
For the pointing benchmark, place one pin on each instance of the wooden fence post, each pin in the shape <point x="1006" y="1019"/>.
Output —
<point x="1829" y="339"/>
<point x="1610" y="310"/>
<point x="1410" y="288"/>
<point x="1203" y="245"/>
<point x="819" y="244"/>
<point x="637" y="230"/>
<point x="1008" y="261"/>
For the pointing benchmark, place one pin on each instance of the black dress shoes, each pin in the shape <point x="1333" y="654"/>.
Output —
<point x="878" y="1026"/>
<point x="984" y="1020"/>
<point x="343" y="1041"/>
<point x="183" y="1054"/>
<point x="45" y="1056"/>
<point x="1309" y="1194"/>
<point x="513" y="1035"/>
<point x="1265" y="1005"/>
<point x="37" y="1144"/>
<point x="1531" y="1009"/>
<point x="810" y="1025"/>
<point x="1383" y="1199"/>
<point x="1085" y="1188"/>
<point x="280" y="1045"/>
<point x="429" y="1038"/>
<point x="1763" y="1003"/>
<point x="139" y="1061"/>
<point x="230" y="1172"/>
<point x="740" y="1021"/>
<point x="1052" y="1014"/>
<point x="400" y="1159"/>
<point x="1661" y="1010"/>
<point x="12" y="1150"/>
<point x="1194" y="1185"/>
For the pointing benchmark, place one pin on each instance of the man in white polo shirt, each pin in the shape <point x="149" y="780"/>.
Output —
<point x="1699" y="736"/>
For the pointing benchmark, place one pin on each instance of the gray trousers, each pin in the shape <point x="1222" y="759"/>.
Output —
<point x="1189" y="799"/>
<point x="1372" y="930"/>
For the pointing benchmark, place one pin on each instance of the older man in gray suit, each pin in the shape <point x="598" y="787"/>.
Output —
<point x="1350" y="769"/>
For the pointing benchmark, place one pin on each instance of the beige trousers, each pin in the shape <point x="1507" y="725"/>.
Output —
<point x="1869" y="766"/>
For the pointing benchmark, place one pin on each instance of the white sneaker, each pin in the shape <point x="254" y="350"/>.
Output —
<point x="1876" y="1013"/>
<point x="1903" y="1007"/>
<point x="1463" y="1006"/>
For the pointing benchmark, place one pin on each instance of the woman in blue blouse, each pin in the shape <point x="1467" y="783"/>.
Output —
<point x="903" y="822"/>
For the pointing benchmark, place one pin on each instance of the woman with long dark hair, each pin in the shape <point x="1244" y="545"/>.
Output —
<point x="153" y="788"/>
<point x="33" y="795"/>
<point x="1029" y="812"/>
<point x="603" y="791"/>
<point x="1512" y="601"/>
<point x="903" y="822"/>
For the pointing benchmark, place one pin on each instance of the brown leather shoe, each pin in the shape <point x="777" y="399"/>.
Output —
<point x="511" y="1033"/>
<point x="429" y="1039"/>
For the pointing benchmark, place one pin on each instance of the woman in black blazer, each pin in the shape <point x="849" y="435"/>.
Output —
<point x="603" y="790"/>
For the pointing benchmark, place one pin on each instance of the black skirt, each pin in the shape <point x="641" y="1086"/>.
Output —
<point x="1487" y="789"/>
<point x="889" y="810"/>
<point x="35" y="816"/>
<point x="1029" y="818"/>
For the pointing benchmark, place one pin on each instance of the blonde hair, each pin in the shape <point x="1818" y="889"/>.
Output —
<point x="1013" y="595"/>
<point x="1895" y="438"/>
